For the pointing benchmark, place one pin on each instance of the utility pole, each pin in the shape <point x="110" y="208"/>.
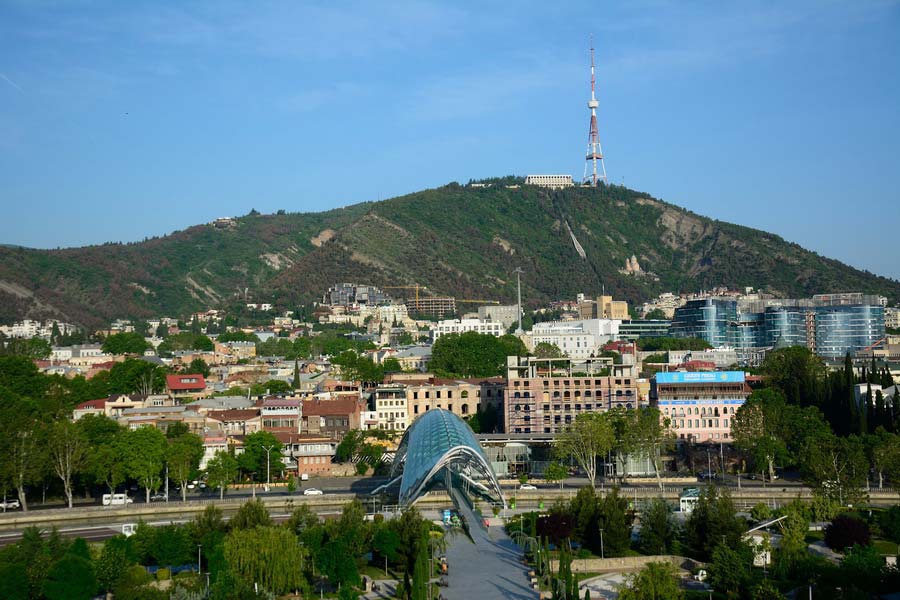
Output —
<point x="708" y="465"/>
<point x="518" y="273"/>
<point x="268" y="450"/>
<point x="602" y="554"/>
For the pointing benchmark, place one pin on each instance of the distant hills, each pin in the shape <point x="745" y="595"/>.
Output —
<point x="458" y="240"/>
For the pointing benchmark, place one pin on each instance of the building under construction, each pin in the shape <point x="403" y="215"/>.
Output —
<point x="433" y="306"/>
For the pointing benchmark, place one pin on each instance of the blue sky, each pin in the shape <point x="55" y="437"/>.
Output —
<point x="121" y="120"/>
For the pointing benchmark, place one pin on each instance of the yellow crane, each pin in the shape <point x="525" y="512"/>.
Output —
<point x="416" y="287"/>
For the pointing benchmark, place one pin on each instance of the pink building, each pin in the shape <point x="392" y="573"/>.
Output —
<point x="700" y="405"/>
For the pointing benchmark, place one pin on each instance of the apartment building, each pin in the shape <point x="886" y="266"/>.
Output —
<point x="577" y="339"/>
<point x="391" y="408"/>
<point x="462" y="397"/>
<point x="700" y="405"/>
<point x="546" y="395"/>
<point x="442" y="328"/>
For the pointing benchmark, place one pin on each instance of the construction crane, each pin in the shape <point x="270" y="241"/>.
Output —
<point x="416" y="287"/>
<point x="458" y="301"/>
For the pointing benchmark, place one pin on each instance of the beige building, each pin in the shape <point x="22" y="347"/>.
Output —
<point x="603" y="307"/>
<point x="547" y="395"/>
<point x="462" y="397"/>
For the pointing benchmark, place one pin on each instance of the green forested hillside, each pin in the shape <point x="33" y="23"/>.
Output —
<point x="455" y="240"/>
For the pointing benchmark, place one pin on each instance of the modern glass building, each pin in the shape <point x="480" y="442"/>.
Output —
<point x="440" y="448"/>
<point x="842" y="329"/>
<point x="830" y="330"/>
<point x="708" y="319"/>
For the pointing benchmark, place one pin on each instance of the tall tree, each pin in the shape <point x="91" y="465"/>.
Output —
<point x="658" y="528"/>
<point x="145" y="455"/>
<point x="656" y="581"/>
<point x="68" y="453"/>
<point x="590" y="437"/>
<point x="183" y="457"/>
<point x="836" y="467"/>
<point x="262" y="455"/>
<point x="269" y="556"/>
<point x="756" y="428"/>
<point x="221" y="471"/>
<point x="644" y="432"/>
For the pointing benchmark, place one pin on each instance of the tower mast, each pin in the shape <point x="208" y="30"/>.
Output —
<point x="594" y="151"/>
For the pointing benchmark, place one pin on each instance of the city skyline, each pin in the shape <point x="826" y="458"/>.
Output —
<point x="128" y="122"/>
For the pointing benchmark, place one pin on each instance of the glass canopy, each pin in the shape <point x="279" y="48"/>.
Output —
<point x="439" y="446"/>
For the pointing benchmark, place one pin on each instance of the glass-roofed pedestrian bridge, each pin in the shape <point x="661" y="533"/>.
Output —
<point x="439" y="449"/>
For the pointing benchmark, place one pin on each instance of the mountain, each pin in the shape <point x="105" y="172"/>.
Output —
<point x="458" y="240"/>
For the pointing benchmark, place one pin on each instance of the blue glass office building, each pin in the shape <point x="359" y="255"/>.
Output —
<point x="831" y="331"/>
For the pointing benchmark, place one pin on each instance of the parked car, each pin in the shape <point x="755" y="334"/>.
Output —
<point x="312" y="492"/>
<point x="10" y="504"/>
<point x="527" y="486"/>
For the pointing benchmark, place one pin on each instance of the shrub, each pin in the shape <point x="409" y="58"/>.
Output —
<point x="889" y="521"/>
<point x="163" y="574"/>
<point x="845" y="532"/>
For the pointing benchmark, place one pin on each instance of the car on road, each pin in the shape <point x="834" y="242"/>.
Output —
<point x="159" y="497"/>
<point x="313" y="492"/>
<point x="527" y="486"/>
<point x="10" y="504"/>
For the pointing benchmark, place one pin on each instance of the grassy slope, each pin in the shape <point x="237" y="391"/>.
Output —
<point x="455" y="240"/>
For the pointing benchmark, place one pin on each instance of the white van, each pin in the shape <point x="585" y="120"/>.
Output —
<point x="114" y="499"/>
<point x="129" y="529"/>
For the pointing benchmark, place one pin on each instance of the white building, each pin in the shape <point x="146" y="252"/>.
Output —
<point x="391" y="408"/>
<point x="892" y="318"/>
<point x="494" y="328"/>
<point x="577" y="339"/>
<point x="550" y="181"/>
<point x="722" y="357"/>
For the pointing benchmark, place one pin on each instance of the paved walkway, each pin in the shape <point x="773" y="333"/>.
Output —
<point x="488" y="569"/>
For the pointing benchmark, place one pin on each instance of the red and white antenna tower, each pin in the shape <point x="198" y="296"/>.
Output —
<point x="594" y="151"/>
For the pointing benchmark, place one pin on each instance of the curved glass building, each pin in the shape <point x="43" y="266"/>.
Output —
<point x="439" y="447"/>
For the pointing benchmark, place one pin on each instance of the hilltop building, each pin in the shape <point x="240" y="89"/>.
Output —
<point x="352" y="294"/>
<point x="554" y="182"/>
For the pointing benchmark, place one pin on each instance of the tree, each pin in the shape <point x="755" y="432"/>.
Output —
<point x="473" y="354"/>
<point x="349" y="446"/>
<point x="556" y="472"/>
<point x="730" y="569"/>
<point x="836" y="467"/>
<point x="713" y="522"/>
<point x="269" y="556"/>
<point x="68" y="453"/>
<point x="883" y="450"/>
<point x="125" y="343"/>
<point x="656" y="581"/>
<point x="105" y="460"/>
<point x="767" y="591"/>
<point x="198" y="365"/>
<point x="134" y="376"/>
<point x="145" y="454"/>
<point x="262" y="454"/>
<point x="889" y="521"/>
<point x="795" y="372"/>
<point x="614" y="520"/>
<point x="846" y="531"/>
<point x="588" y="438"/>
<point x="252" y="513"/>
<point x="71" y="578"/>
<point x="644" y="432"/>
<point x="756" y="427"/>
<point x="183" y="457"/>
<point x="658" y="528"/>
<point x="221" y="470"/>
<point x="548" y="350"/>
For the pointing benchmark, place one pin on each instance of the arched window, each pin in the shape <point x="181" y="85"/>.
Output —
<point x="464" y="394"/>
<point x="465" y="408"/>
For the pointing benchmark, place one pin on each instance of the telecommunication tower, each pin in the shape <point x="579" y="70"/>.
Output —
<point x="594" y="151"/>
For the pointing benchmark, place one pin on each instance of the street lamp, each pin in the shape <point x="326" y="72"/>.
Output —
<point x="708" y="465"/>
<point x="268" y="450"/>
<point x="199" y="569"/>
<point x="601" y="544"/>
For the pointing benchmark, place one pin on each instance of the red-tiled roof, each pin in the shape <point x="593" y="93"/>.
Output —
<point x="97" y="404"/>
<point x="184" y="382"/>
<point x="234" y="414"/>
<point x="340" y="406"/>
<point x="281" y="402"/>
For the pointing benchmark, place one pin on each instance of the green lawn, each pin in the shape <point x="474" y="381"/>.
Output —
<point x="886" y="547"/>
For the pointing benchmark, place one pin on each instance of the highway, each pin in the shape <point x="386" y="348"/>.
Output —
<point x="93" y="522"/>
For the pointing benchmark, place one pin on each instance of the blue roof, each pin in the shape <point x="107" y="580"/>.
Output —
<point x="435" y="441"/>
